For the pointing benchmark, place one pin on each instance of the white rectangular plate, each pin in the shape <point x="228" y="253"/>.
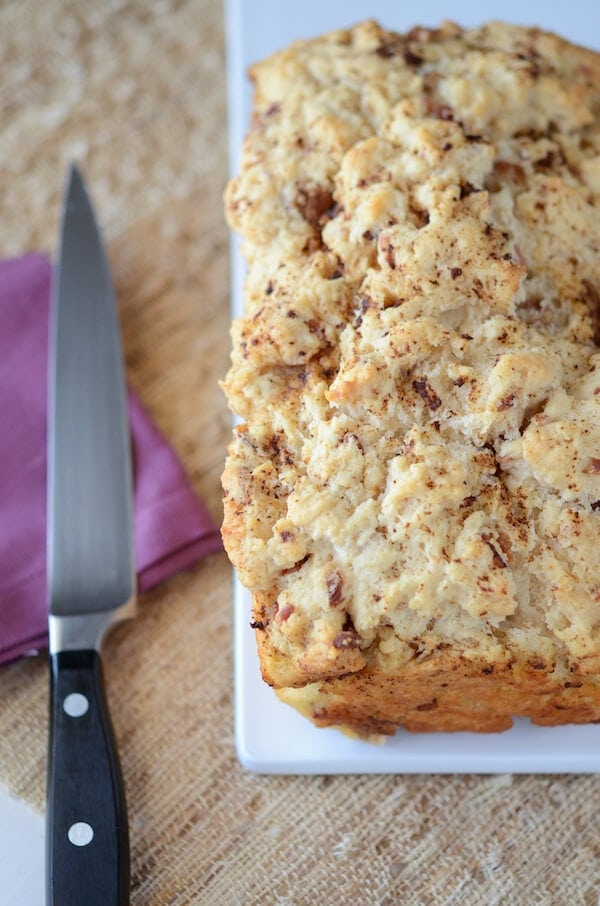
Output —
<point x="272" y="737"/>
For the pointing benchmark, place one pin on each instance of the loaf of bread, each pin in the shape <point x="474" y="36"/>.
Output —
<point x="413" y="492"/>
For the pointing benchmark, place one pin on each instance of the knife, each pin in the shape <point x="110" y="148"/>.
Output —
<point x="91" y="581"/>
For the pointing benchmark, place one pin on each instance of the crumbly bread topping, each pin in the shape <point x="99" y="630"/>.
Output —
<point x="418" y="464"/>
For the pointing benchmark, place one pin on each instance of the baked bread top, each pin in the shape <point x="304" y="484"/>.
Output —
<point x="417" y="372"/>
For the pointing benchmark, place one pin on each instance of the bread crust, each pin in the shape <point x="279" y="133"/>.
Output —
<point x="413" y="494"/>
<point x="448" y="694"/>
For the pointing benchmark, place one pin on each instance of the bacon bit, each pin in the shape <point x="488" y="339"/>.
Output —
<point x="271" y="445"/>
<point x="596" y="391"/>
<point x="532" y="304"/>
<point x="346" y="639"/>
<point x="593" y="467"/>
<point x="455" y="272"/>
<point x="534" y="64"/>
<point x="496" y="558"/>
<point x="412" y="59"/>
<point x="466" y="189"/>
<point x="285" y="613"/>
<point x="257" y="624"/>
<point x="506" y="402"/>
<point x="512" y="172"/>
<point x="295" y="567"/>
<point x="335" y="589"/>
<point x="551" y="160"/>
<point x="348" y="436"/>
<point x="438" y="110"/>
<point x="314" y="203"/>
<point x="504" y="543"/>
<point x="258" y="118"/>
<point x="407" y="447"/>
<point x="596" y="505"/>
<point x="394" y="48"/>
<point x="388" y="50"/>
<point x="269" y="288"/>
<point x="287" y="536"/>
<point x="421" y="216"/>
<point x="368" y="235"/>
<point x="388" y="250"/>
<point x="423" y="388"/>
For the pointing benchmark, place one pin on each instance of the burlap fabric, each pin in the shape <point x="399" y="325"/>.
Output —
<point x="135" y="91"/>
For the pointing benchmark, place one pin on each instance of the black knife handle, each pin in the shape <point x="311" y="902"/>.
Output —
<point x="87" y="837"/>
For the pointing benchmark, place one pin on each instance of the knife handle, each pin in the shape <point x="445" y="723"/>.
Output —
<point x="87" y="836"/>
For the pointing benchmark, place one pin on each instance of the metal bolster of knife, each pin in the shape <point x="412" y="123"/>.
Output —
<point x="76" y="633"/>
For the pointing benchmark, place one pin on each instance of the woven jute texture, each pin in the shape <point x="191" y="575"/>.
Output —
<point x="135" y="91"/>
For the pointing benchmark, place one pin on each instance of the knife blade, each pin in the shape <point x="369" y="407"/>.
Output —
<point x="91" y="581"/>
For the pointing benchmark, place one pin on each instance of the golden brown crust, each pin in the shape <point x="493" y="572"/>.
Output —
<point x="448" y="694"/>
<point x="418" y="470"/>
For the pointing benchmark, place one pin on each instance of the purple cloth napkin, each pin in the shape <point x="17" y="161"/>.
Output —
<point x="172" y="529"/>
